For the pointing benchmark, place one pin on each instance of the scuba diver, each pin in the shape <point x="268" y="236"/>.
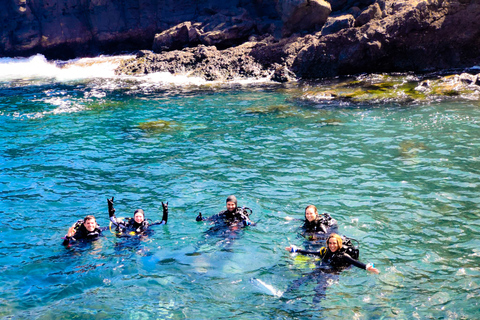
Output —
<point x="316" y="227"/>
<point x="318" y="223"/>
<point x="233" y="215"/>
<point x="136" y="225"/>
<point x="225" y="228"/>
<point x="337" y="255"/>
<point x="83" y="230"/>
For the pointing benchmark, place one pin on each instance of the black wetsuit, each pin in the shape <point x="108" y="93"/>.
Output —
<point x="329" y="270"/>
<point x="82" y="234"/>
<point x="130" y="225"/>
<point x="239" y="216"/>
<point x="322" y="224"/>
<point x="338" y="259"/>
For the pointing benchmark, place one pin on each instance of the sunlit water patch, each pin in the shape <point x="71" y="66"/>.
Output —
<point x="400" y="177"/>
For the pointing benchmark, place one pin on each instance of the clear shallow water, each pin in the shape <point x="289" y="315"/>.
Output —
<point x="403" y="179"/>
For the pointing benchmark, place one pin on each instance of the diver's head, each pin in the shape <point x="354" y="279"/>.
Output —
<point x="334" y="242"/>
<point x="139" y="216"/>
<point x="90" y="223"/>
<point x="231" y="203"/>
<point x="311" y="213"/>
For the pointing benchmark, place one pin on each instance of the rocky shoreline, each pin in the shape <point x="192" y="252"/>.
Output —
<point x="301" y="39"/>
<point x="417" y="36"/>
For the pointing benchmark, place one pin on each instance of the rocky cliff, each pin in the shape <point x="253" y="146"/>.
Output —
<point x="280" y="39"/>
<point x="71" y="28"/>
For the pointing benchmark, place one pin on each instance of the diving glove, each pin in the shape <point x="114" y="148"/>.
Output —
<point x="165" y="211"/>
<point x="111" y="209"/>
<point x="165" y="207"/>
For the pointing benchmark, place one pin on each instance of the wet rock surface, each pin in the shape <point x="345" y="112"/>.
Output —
<point x="282" y="40"/>
<point x="387" y="36"/>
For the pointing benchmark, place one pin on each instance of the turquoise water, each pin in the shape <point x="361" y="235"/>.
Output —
<point x="401" y="178"/>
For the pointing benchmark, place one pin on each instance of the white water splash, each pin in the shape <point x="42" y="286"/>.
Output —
<point x="62" y="105"/>
<point x="168" y="78"/>
<point x="266" y="288"/>
<point x="38" y="67"/>
<point x="103" y="67"/>
<point x="26" y="68"/>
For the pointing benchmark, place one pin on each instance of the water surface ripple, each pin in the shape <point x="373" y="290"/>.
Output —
<point x="401" y="179"/>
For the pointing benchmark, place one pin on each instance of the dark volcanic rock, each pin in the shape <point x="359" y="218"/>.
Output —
<point x="71" y="28"/>
<point x="373" y="12"/>
<point x="412" y="36"/>
<point x="202" y="61"/>
<point x="183" y="35"/>
<point x="394" y="36"/>
<point x="344" y="5"/>
<point x="64" y="29"/>
<point x="387" y="35"/>
<point x="335" y="24"/>
<point x="303" y="15"/>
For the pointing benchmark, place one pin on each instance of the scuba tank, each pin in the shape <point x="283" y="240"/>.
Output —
<point x="245" y="211"/>
<point x="349" y="248"/>
<point x="77" y="225"/>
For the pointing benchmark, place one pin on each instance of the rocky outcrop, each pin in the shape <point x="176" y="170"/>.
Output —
<point x="335" y="24"/>
<point x="407" y="36"/>
<point x="303" y="15"/>
<point x="388" y="36"/>
<point x="202" y="61"/>
<point x="281" y="39"/>
<point x="63" y="29"/>
<point x="71" y="28"/>
<point x="222" y="30"/>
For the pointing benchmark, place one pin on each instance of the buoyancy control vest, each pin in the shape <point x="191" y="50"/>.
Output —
<point x="347" y="247"/>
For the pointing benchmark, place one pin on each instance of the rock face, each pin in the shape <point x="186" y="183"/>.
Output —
<point x="335" y="24"/>
<point x="300" y="15"/>
<point x="222" y="30"/>
<point x="280" y="39"/>
<point x="387" y="36"/>
<point x="407" y="36"/>
<point x="70" y="28"/>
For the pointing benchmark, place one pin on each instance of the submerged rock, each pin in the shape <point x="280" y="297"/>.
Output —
<point x="396" y="88"/>
<point x="158" y="126"/>
<point x="410" y="148"/>
<point x="264" y="110"/>
<point x="330" y="122"/>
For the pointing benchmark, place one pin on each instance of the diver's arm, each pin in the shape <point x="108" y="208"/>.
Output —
<point x="111" y="214"/>
<point x="215" y="217"/>
<point x="247" y="222"/>
<point x="165" y="212"/>
<point x="293" y="249"/>
<point x="305" y="252"/>
<point x="369" y="267"/>
<point x="164" y="218"/>
<point x="356" y="263"/>
<point x="69" y="236"/>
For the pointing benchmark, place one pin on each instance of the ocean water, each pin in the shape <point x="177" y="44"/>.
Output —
<point x="401" y="177"/>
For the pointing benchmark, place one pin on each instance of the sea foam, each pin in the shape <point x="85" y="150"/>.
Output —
<point x="38" y="67"/>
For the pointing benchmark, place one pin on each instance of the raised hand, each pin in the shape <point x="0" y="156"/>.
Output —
<point x="111" y="209"/>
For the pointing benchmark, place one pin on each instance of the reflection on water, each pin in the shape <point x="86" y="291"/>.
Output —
<point x="402" y="178"/>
